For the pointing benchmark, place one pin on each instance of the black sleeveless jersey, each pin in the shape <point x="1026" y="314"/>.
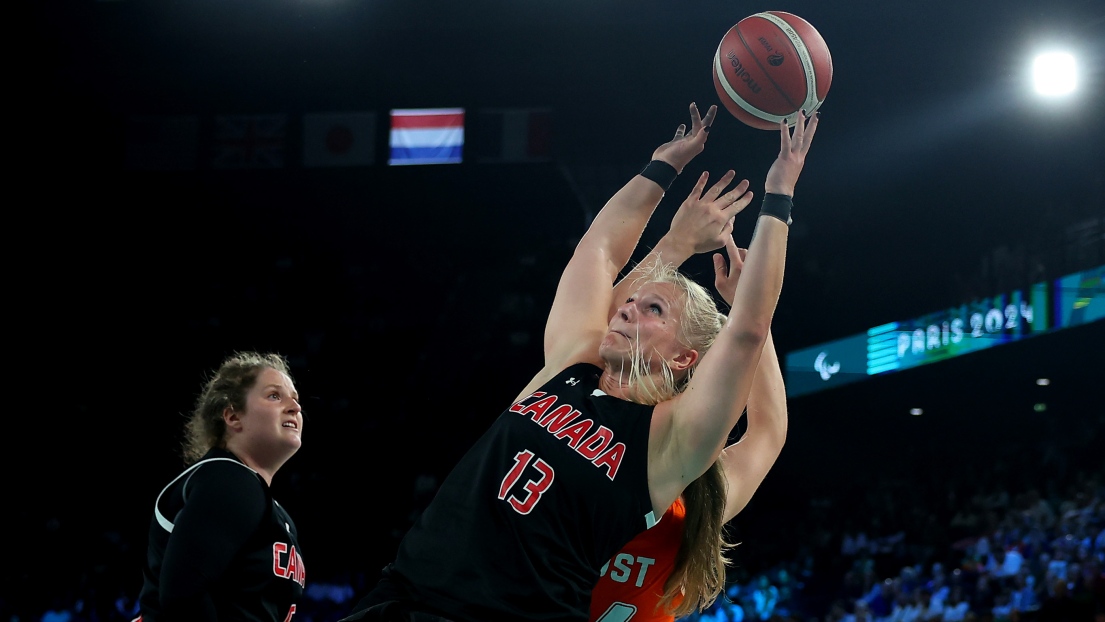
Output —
<point x="521" y="527"/>
<point x="220" y="547"/>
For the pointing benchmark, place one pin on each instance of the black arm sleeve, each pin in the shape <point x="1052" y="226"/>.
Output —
<point x="224" y="507"/>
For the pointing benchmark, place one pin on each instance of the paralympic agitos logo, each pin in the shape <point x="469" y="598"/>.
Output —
<point x="826" y="370"/>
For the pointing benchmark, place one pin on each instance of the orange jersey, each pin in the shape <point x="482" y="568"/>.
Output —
<point x="632" y="582"/>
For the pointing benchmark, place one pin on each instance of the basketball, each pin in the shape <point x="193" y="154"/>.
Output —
<point x="770" y="66"/>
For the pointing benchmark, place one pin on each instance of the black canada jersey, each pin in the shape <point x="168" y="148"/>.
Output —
<point x="220" y="547"/>
<point x="522" y="525"/>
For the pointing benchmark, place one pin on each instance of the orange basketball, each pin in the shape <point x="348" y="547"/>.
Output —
<point x="771" y="65"/>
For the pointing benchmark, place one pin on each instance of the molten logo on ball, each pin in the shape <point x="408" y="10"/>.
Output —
<point x="742" y="74"/>
<point x="771" y="66"/>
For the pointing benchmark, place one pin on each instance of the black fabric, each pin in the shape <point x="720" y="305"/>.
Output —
<point x="660" y="172"/>
<point x="777" y="206"/>
<point x="496" y="543"/>
<point x="393" y="611"/>
<point x="218" y="561"/>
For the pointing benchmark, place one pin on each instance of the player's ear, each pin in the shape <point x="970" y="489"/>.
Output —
<point x="232" y="419"/>
<point x="684" y="360"/>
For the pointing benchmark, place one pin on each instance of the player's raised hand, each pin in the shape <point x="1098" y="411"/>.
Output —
<point x="783" y="174"/>
<point x="726" y="276"/>
<point x="687" y="144"/>
<point x="705" y="218"/>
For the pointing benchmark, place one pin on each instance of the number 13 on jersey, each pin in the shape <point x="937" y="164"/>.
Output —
<point x="532" y="490"/>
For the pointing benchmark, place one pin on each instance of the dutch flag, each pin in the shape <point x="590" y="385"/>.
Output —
<point x="427" y="136"/>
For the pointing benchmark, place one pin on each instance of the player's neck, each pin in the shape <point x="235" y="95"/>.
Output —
<point x="615" y="382"/>
<point x="266" y="466"/>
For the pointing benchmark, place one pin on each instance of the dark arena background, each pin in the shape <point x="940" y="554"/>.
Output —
<point x="197" y="178"/>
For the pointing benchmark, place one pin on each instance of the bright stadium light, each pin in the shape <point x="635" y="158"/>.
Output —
<point x="1054" y="73"/>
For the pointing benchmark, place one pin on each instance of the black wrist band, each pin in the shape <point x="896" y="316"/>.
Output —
<point x="660" y="172"/>
<point x="777" y="206"/>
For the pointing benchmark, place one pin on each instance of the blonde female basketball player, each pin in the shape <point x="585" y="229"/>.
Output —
<point x="626" y="412"/>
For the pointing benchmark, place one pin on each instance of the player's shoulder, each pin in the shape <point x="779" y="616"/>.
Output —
<point x="222" y="468"/>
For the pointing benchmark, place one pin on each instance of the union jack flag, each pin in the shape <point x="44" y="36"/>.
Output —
<point x="253" y="141"/>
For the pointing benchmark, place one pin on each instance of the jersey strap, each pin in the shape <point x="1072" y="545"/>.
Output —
<point x="167" y="524"/>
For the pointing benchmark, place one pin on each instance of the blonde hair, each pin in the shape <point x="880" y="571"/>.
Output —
<point x="699" y="327"/>
<point x="699" y="573"/>
<point x="227" y="388"/>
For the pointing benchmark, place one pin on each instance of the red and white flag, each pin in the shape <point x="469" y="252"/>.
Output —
<point x="339" y="139"/>
<point x="426" y="136"/>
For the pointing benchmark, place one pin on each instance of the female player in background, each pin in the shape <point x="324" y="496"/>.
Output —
<point x="220" y="547"/>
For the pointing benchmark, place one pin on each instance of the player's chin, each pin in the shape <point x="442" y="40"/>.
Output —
<point x="293" y="440"/>
<point x="293" y="448"/>
<point x="611" y="351"/>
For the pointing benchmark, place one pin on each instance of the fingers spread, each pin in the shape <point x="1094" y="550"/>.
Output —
<point x="735" y="256"/>
<point x="719" y="187"/>
<point x="799" y="129"/>
<point x="736" y="200"/>
<point x="736" y="192"/>
<point x="737" y="206"/>
<point x="699" y="185"/>
<point x="810" y="131"/>
<point x="710" y="115"/>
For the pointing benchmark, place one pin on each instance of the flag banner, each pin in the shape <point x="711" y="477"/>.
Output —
<point x="512" y="135"/>
<point x="249" y="141"/>
<point x="339" y="139"/>
<point x="426" y="136"/>
<point x="162" y="143"/>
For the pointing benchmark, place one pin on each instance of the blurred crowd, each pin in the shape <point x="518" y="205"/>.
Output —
<point x="1024" y="545"/>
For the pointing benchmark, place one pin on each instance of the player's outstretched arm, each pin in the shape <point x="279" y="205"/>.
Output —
<point x="701" y="224"/>
<point x="578" y="317"/>
<point x="747" y="461"/>
<point x="691" y="429"/>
